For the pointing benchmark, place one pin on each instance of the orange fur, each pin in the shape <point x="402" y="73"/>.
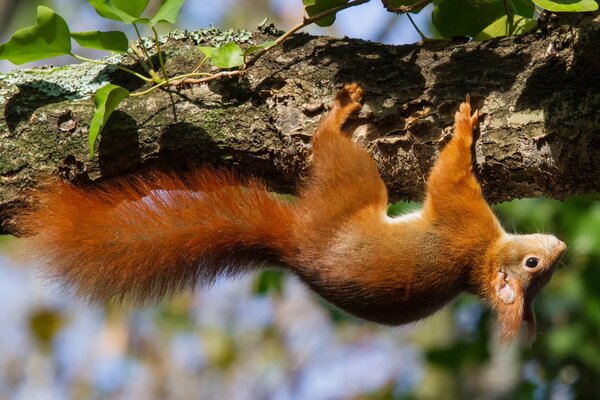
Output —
<point x="146" y="238"/>
<point x="107" y="242"/>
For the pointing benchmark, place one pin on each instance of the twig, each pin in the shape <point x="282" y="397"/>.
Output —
<point x="212" y="77"/>
<point x="142" y="77"/>
<point x="180" y="79"/>
<point x="405" y="9"/>
<point x="137" y="31"/>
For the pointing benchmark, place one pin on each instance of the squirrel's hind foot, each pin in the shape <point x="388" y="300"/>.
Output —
<point x="350" y="93"/>
<point x="465" y="122"/>
<point x="347" y="102"/>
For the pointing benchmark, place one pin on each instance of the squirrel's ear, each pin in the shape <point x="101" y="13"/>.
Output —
<point x="505" y="288"/>
<point x="509" y="303"/>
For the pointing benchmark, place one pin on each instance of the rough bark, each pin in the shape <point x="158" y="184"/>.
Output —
<point x="538" y="95"/>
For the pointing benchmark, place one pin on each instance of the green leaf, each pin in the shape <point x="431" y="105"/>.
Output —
<point x="134" y="8"/>
<point x="469" y="17"/>
<point x="230" y="55"/>
<point x="111" y="41"/>
<point x="269" y="280"/>
<point x="206" y="50"/>
<point x="107" y="100"/>
<point x="524" y="8"/>
<point x="398" y="3"/>
<point x="256" y="47"/>
<point x="567" y="5"/>
<point x="501" y="27"/>
<point x="314" y="7"/>
<point x="126" y="11"/>
<point x="168" y="12"/>
<point x="566" y="340"/>
<point x="49" y="37"/>
<point x="402" y="207"/>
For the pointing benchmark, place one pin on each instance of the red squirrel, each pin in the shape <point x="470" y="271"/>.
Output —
<point x="146" y="238"/>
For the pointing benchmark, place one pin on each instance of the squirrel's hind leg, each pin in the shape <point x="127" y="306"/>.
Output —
<point x="452" y="187"/>
<point x="344" y="177"/>
<point x="465" y="124"/>
<point x="347" y="102"/>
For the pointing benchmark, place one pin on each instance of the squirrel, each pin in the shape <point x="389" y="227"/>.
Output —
<point x="142" y="239"/>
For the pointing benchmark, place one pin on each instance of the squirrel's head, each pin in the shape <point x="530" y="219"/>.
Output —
<point x="519" y="267"/>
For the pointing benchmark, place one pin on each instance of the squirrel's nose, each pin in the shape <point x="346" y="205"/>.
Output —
<point x="561" y="247"/>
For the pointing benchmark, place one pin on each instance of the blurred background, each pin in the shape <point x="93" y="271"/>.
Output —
<point x="267" y="336"/>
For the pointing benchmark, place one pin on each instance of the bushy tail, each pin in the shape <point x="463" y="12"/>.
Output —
<point x="140" y="240"/>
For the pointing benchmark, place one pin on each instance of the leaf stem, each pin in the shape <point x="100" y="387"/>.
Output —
<point x="177" y="80"/>
<point x="160" y="57"/>
<point x="137" y="31"/>
<point x="142" y="77"/>
<point x="423" y="37"/>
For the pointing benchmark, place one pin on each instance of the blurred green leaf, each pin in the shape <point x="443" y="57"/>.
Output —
<point x="314" y="7"/>
<point x="589" y="351"/>
<point x="206" y="50"/>
<point x="459" y="354"/>
<point x="126" y="11"/>
<point x="107" y="99"/>
<point x="49" y="37"/>
<point x="44" y="324"/>
<point x="230" y="55"/>
<point x="111" y="41"/>
<point x="5" y="240"/>
<point x="256" y="47"/>
<point x="402" y="207"/>
<point x="592" y="308"/>
<point x="524" y="8"/>
<point x="567" y="5"/>
<point x="586" y="240"/>
<point x="168" y="12"/>
<point x="591" y="276"/>
<point x="175" y="314"/>
<point x="220" y="348"/>
<point x="469" y="17"/>
<point x="525" y="391"/>
<point x="135" y="8"/>
<point x="503" y="27"/>
<point x="270" y="280"/>
<point x="564" y="341"/>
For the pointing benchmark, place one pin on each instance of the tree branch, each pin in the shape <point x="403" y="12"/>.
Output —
<point x="537" y="95"/>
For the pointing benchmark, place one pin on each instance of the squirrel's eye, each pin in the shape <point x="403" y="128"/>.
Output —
<point x="531" y="262"/>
